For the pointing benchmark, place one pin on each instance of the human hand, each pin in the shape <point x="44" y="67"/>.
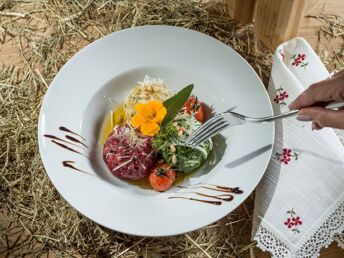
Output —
<point x="324" y="91"/>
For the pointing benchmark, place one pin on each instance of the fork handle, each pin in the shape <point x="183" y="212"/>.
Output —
<point x="331" y="106"/>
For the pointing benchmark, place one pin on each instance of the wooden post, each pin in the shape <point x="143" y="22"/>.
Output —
<point x="277" y="21"/>
<point x="310" y="26"/>
<point x="241" y="10"/>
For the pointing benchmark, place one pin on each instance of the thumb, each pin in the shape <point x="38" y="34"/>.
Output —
<point x="324" y="117"/>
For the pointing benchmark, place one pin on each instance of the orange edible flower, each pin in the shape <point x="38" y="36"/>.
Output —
<point x="148" y="117"/>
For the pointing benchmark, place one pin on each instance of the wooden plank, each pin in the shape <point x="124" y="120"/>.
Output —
<point x="333" y="251"/>
<point x="310" y="26"/>
<point x="241" y="10"/>
<point x="231" y="6"/>
<point x="277" y="21"/>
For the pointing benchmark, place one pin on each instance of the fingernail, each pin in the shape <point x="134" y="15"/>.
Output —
<point x="304" y="118"/>
<point x="316" y="126"/>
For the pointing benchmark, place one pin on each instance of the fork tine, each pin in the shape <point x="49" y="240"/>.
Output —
<point x="209" y="123"/>
<point x="209" y="134"/>
<point x="206" y="133"/>
<point x="206" y="126"/>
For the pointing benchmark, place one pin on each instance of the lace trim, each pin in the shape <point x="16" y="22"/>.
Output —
<point x="340" y="240"/>
<point x="322" y="237"/>
<point x="267" y="241"/>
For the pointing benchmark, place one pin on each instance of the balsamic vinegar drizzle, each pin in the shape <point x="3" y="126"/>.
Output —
<point x="75" y="140"/>
<point x="223" y="197"/>
<point x="62" y="142"/>
<point x="62" y="128"/>
<point x="218" y="188"/>
<point x="194" y="199"/>
<point x="59" y="139"/>
<point x="68" y="148"/>
<point x="234" y="190"/>
<point x="68" y="164"/>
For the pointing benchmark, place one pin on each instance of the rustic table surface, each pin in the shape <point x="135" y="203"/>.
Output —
<point x="10" y="54"/>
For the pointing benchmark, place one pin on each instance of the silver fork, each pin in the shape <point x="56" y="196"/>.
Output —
<point x="229" y="119"/>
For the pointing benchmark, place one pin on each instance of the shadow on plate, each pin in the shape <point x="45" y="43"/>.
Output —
<point x="203" y="174"/>
<point x="248" y="157"/>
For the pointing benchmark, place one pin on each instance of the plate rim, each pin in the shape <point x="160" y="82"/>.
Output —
<point x="43" y="103"/>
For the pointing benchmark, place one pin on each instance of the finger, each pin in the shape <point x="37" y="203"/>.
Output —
<point x="324" y="117"/>
<point x="316" y="126"/>
<point x="338" y="73"/>
<point x="317" y="92"/>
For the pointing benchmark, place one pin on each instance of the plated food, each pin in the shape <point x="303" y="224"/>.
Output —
<point x="76" y="104"/>
<point x="148" y="131"/>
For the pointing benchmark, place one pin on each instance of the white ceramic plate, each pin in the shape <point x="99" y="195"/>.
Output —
<point x="98" y="77"/>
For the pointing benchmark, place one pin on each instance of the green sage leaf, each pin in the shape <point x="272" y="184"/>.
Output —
<point x="176" y="102"/>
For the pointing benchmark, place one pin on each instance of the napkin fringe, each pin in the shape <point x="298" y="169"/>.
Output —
<point x="268" y="242"/>
<point x="323" y="236"/>
<point x="340" y="240"/>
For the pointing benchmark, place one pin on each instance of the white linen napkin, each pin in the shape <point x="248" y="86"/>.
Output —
<point x="299" y="205"/>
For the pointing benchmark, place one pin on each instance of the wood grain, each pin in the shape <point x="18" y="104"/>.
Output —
<point x="242" y="10"/>
<point x="10" y="54"/>
<point x="309" y="27"/>
<point x="277" y="21"/>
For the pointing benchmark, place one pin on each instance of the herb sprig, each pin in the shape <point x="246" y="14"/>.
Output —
<point x="176" y="102"/>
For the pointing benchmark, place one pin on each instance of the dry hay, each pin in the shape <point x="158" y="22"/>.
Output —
<point x="35" y="219"/>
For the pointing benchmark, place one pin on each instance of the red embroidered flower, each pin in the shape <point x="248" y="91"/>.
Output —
<point x="297" y="221"/>
<point x="281" y="96"/>
<point x="282" y="55"/>
<point x="277" y="99"/>
<point x="289" y="223"/>
<point x="284" y="95"/>
<point x="301" y="57"/>
<point x="285" y="160"/>
<point x="286" y="155"/>
<point x="286" y="152"/>
<point x="293" y="222"/>
<point x="296" y="62"/>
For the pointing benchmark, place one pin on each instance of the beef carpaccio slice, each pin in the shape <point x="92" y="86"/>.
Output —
<point x="128" y="154"/>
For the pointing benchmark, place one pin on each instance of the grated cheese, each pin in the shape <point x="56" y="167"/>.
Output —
<point x="148" y="81"/>
<point x="145" y="91"/>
